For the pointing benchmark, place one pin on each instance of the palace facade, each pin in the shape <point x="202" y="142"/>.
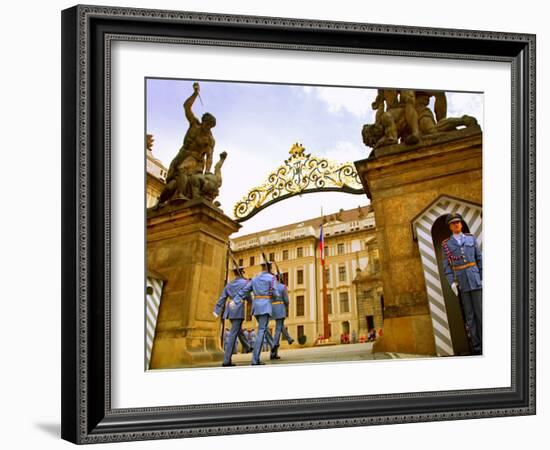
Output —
<point x="156" y="175"/>
<point x="355" y="297"/>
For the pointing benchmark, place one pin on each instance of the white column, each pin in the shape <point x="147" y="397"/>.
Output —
<point x="312" y="288"/>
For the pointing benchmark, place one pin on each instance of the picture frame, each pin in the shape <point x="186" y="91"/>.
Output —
<point x="87" y="413"/>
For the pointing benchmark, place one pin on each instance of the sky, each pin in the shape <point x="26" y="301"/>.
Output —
<point x="257" y="124"/>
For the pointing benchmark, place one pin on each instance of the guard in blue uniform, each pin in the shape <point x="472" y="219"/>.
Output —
<point x="234" y="311"/>
<point x="263" y="286"/>
<point x="252" y="336"/>
<point x="278" y="313"/>
<point x="247" y="337"/>
<point x="286" y="334"/>
<point x="463" y="268"/>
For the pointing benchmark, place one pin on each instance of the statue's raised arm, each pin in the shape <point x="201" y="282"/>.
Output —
<point x="189" y="103"/>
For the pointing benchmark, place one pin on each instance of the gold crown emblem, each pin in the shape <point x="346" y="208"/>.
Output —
<point x="297" y="149"/>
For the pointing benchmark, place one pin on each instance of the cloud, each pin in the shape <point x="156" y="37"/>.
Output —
<point x="358" y="101"/>
<point x="459" y="103"/>
<point x="354" y="101"/>
<point x="345" y="151"/>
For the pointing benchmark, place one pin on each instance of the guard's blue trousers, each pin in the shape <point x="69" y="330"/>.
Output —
<point x="287" y="335"/>
<point x="235" y="332"/>
<point x="263" y="321"/>
<point x="279" y="323"/>
<point x="471" y="301"/>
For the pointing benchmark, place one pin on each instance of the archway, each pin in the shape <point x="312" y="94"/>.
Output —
<point x="301" y="173"/>
<point x="428" y="231"/>
<point x="345" y="327"/>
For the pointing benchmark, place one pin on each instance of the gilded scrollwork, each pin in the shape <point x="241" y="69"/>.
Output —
<point x="301" y="173"/>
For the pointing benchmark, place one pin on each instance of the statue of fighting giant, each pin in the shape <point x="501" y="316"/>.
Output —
<point x="189" y="175"/>
<point x="404" y="116"/>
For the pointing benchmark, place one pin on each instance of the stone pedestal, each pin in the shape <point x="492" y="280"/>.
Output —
<point x="187" y="245"/>
<point x="401" y="182"/>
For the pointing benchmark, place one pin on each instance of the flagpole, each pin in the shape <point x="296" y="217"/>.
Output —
<point x="326" y="328"/>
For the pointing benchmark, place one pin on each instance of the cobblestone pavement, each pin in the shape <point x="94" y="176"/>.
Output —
<point x="321" y="354"/>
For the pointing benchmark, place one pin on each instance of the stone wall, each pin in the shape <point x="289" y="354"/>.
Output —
<point x="401" y="182"/>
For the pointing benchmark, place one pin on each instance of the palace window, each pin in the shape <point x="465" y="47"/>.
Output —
<point x="251" y="261"/>
<point x="341" y="273"/>
<point x="300" y="305"/>
<point x="340" y="249"/>
<point x="300" y="252"/>
<point x="272" y="256"/>
<point x="300" y="276"/>
<point x="329" y="300"/>
<point x="344" y="302"/>
<point x="285" y="255"/>
<point x="241" y="262"/>
<point x="285" y="278"/>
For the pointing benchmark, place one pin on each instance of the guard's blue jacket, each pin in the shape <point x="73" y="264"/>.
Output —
<point x="263" y="286"/>
<point x="462" y="262"/>
<point x="233" y="309"/>
<point x="279" y="304"/>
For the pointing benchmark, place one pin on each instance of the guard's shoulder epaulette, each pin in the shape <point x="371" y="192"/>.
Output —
<point x="469" y="234"/>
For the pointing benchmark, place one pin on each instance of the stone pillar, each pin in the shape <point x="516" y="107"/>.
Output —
<point x="401" y="182"/>
<point x="187" y="245"/>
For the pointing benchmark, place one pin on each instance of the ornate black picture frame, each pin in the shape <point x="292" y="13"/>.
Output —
<point x="87" y="414"/>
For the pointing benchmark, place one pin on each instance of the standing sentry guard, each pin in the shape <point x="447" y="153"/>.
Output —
<point x="462" y="264"/>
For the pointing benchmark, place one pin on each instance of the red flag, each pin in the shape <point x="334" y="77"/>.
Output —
<point x="322" y="246"/>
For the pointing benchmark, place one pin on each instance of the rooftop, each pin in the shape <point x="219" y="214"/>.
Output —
<point x="339" y="222"/>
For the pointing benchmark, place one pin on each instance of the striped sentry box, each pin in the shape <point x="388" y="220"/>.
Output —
<point x="152" y="304"/>
<point x="422" y="228"/>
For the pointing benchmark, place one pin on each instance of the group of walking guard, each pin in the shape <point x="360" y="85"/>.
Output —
<point x="269" y="298"/>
